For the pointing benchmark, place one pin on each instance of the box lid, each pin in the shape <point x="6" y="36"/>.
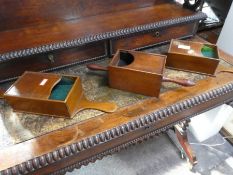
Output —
<point x="194" y="49"/>
<point x="33" y="85"/>
<point x="140" y="61"/>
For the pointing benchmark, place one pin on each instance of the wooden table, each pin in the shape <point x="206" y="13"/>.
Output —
<point x="42" y="145"/>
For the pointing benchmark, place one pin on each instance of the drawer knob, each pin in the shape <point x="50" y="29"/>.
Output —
<point x="51" y="58"/>
<point x="157" y="34"/>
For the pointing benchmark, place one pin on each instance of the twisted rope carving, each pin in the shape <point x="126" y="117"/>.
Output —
<point x="99" y="37"/>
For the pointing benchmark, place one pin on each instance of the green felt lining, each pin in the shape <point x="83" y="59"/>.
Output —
<point x="62" y="89"/>
<point x="208" y="52"/>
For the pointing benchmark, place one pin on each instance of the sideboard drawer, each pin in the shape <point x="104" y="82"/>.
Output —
<point x="152" y="38"/>
<point x="50" y="61"/>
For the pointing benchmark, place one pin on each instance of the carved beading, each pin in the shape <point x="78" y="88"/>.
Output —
<point x="101" y="36"/>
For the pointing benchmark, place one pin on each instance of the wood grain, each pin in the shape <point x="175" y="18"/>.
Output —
<point x="31" y="92"/>
<point x="67" y="30"/>
<point x="24" y="13"/>
<point x="181" y="59"/>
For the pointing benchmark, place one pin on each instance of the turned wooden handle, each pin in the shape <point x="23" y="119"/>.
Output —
<point x="97" y="67"/>
<point x="182" y="82"/>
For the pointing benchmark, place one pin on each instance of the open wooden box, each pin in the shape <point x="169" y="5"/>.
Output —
<point x="138" y="72"/>
<point x="193" y="56"/>
<point x="51" y="94"/>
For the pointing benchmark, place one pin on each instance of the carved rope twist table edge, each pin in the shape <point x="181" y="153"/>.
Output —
<point x="101" y="37"/>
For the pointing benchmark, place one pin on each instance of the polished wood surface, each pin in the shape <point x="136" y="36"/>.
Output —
<point x="24" y="13"/>
<point x="186" y="55"/>
<point x="67" y="30"/>
<point x="30" y="94"/>
<point x="60" y="138"/>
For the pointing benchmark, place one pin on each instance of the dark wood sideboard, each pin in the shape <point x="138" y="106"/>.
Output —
<point x="47" y="35"/>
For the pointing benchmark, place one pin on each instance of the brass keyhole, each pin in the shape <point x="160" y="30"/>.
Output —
<point x="157" y="34"/>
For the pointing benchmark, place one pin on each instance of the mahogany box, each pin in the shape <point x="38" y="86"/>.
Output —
<point x="138" y="72"/>
<point x="52" y="95"/>
<point x="193" y="56"/>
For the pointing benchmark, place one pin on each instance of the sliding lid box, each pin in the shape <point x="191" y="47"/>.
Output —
<point x="193" y="56"/>
<point x="51" y="94"/>
<point x="138" y="72"/>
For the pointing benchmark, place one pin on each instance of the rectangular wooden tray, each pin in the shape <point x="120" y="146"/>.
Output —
<point x="187" y="56"/>
<point x="31" y="92"/>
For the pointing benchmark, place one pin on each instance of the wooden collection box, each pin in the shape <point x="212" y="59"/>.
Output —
<point x="193" y="56"/>
<point x="51" y="94"/>
<point x="138" y="72"/>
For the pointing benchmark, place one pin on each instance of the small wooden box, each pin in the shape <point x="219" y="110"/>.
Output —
<point x="31" y="92"/>
<point x="137" y="72"/>
<point x="188" y="56"/>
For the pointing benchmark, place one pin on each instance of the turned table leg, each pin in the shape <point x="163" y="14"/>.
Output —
<point x="181" y="135"/>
